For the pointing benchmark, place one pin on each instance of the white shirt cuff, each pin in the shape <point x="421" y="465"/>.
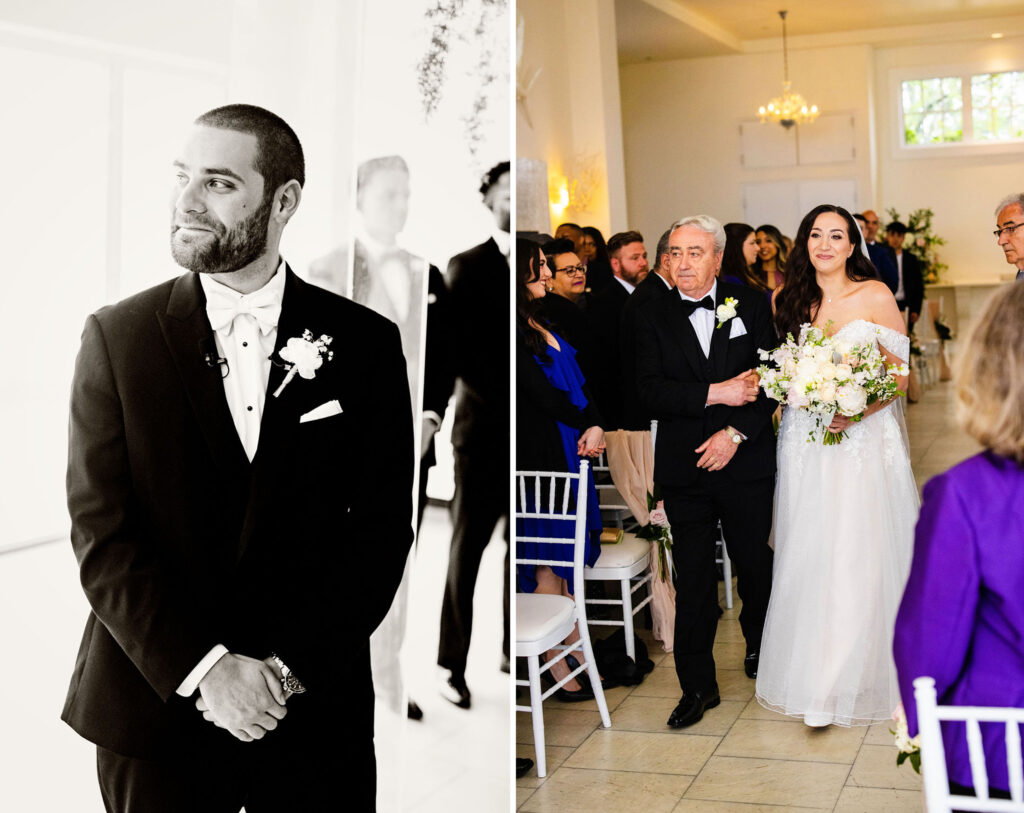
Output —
<point x="191" y="682"/>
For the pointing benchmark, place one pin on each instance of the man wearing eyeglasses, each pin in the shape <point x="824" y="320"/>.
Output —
<point x="1009" y="234"/>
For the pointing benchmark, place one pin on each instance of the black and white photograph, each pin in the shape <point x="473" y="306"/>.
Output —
<point x="255" y="530"/>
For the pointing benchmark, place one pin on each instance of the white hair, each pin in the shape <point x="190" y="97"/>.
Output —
<point x="704" y="223"/>
<point x="1017" y="199"/>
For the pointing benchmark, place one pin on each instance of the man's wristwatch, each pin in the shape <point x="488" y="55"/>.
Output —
<point x="735" y="436"/>
<point x="289" y="682"/>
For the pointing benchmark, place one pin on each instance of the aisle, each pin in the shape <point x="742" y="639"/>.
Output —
<point x="740" y="757"/>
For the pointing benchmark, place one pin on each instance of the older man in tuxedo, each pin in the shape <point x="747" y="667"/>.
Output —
<point x="236" y="437"/>
<point x="715" y="454"/>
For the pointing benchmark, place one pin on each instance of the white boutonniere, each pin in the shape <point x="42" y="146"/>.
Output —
<point x="726" y="311"/>
<point x="303" y="356"/>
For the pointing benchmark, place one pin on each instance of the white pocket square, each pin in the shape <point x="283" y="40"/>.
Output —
<point x="325" y="410"/>
<point x="738" y="328"/>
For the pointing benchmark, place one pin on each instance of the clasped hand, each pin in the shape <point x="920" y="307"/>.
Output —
<point x="591" y="442"/>
<point x="736" y="391"/>
<point x="242" y="695"/>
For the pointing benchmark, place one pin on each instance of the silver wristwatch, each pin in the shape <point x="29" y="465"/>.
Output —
<point x="289" y="682"/>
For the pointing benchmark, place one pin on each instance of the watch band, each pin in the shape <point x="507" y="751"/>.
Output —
<point x="289" y="682"/>
<point x="736" y="437"/>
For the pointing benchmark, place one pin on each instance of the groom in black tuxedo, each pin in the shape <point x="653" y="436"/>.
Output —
<point x="239" y="482"/>
<point x="715" y="452"/>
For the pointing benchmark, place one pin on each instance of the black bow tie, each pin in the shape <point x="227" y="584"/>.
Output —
<point x="689" y="306"/>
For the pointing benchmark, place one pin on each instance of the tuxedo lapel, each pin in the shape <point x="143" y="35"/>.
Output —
<point x="686" y="336"/>
<point x="719" y="352"/>
<point x="189" y="336"/>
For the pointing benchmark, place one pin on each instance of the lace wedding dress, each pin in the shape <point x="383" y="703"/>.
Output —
<point x="844" y="529"/>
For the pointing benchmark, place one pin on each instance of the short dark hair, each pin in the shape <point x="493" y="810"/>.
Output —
<point x="570" y="226"/>
<point x="490" y="178"/>
<point x="622" y="238"/>
<point x="279" y="157"/>
<point x="560" y="245"/>
<point x="860" y="217"/>
<point x="662" y="247"/>
<point x="897" y="228"/>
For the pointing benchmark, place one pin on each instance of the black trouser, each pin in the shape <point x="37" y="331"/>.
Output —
<point x="481" y="501"/>
<point x="221" y="774"/>
<point x="745" y="510"/>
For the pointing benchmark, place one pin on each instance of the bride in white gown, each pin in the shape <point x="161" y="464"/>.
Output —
<point x="844" y="514"/>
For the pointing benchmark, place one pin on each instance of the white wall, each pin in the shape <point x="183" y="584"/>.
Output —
<point x="963" y="191"/>
<point x="681" y="123"/>
<point x="574" y="117"/>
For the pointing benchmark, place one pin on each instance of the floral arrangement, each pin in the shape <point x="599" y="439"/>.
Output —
<point x="303" y="356"/>
<point x="909" y="748"/>
<point x="825" y="376"/>
<point x="657" y="530"/>
<point x="923" y="242"/>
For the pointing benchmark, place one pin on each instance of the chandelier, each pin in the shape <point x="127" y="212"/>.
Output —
<point x="790" y="108"/>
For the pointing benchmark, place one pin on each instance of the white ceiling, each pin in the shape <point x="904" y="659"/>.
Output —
<point x="652" y="30"/>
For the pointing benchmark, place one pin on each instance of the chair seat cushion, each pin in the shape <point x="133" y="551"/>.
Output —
<point x="629" y="552"/>
<point x="540" y="614"/>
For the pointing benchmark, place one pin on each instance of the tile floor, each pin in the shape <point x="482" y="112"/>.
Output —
<point x="740" y="758"/>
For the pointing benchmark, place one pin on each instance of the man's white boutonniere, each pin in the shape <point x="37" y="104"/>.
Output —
<point x="726" y="311"/>
<point x="303" y="356"/>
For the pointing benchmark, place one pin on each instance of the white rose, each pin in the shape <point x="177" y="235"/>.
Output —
<point x="727" y="310"/>
<point x="827" y="371"/>
<point x="828" y="391"/>
<point x="822" y="354"/>
<point x="851" y="399"/>
<point x="797" y="397"/>
<point x="304" y="355"/>
<point x="806" y="368"/>
<point x="843" y="372"/>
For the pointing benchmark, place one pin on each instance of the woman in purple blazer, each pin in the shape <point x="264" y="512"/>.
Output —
<point x="961" y="620"/>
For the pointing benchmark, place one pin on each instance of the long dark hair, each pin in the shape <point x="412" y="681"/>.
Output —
<point x="599" y="244"/>
<point x="733" y="262"/>
<point x="781" y="260"/>
<point x="799" y="299"/>
<point x="527" y="308"/>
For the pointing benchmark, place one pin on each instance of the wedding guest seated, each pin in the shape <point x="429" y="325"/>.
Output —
<point x="961" y="620"/>
<point x="557" y="423"/>
<point x="573" y="232"/>
<point x="769" y="268"/>
<point x="594" y="253"/>
<point x="741" y="252"/>
<point x="909" y="280"/>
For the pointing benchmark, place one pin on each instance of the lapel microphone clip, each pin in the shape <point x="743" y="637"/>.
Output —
<point x="209" y="350"/>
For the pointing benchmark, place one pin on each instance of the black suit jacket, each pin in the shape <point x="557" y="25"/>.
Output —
<point x="673" y="377"/>
<point x="183" y="544"/>
<point x="913" y="282"/>
<point x="604" y="316"/>
<point x="478" y="280"/>
<point x="634" y="416"/>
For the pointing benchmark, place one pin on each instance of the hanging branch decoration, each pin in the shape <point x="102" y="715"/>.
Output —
<point x="459" y="26"/>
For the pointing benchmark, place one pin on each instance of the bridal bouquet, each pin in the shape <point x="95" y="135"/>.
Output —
<point x="825" y="376"/>
<point x="657" y="530"/>
<point x="908" y="748"/>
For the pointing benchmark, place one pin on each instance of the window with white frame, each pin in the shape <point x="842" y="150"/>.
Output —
<point x="967" y="107"/>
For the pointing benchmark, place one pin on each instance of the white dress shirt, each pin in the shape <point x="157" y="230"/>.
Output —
<point x="503" y="239"/>
<point x="247" y="348"/>
<point x="702" y="319"/>
<point x="629" y="288"/>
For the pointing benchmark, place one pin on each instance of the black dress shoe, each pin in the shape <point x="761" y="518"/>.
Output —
<point x="454" y="690"/>
<point x="691" y="708"/>
<point x="523" y="766"/>
<point x="750" y="664"/>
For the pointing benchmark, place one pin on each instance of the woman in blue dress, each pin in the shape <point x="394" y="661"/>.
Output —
<point x="556" y="425"/>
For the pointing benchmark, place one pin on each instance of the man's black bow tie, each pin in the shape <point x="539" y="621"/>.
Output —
<point x="689" y="306"/>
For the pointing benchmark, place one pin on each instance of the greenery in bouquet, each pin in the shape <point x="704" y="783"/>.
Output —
<point x="922" y="242"/>
<point x="657" y="530"/>
<point x="825" y="376"/>
<point x="909" y="749"/>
